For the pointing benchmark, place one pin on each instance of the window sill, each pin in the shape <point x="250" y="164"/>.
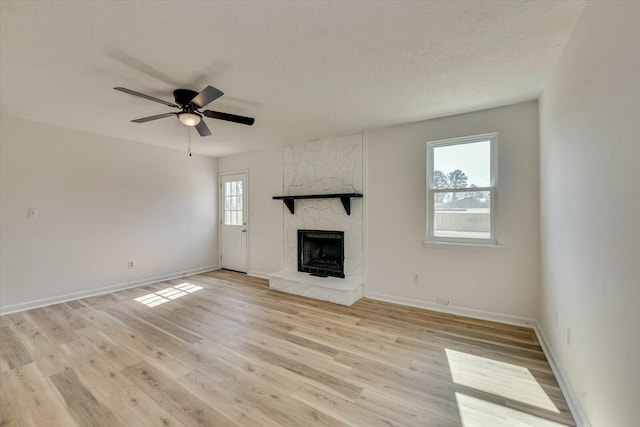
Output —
<point x="463" y="246"/>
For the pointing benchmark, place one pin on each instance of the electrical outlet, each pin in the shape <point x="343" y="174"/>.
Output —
<point x="131" y="264"/>
<point x="442" y="301"/>
<point x="32" y="213"/>
<point x="416" y="278"/>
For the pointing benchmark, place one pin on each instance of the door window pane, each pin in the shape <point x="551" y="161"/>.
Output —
<point x="233" y="203"/>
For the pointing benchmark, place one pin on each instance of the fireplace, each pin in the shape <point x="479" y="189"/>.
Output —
<point x="321" y="252"/>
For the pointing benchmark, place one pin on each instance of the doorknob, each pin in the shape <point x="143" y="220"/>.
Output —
<point x="244" y="231"/>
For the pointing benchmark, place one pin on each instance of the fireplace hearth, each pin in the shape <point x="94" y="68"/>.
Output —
<point x="321" y="252"/>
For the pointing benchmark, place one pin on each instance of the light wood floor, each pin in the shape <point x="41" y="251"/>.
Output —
<point x="221" y="349"/>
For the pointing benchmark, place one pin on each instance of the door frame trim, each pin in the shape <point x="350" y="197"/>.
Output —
<point x="221" y="214"/>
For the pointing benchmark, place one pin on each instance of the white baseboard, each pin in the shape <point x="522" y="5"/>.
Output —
<point x="460" y="311"/>
<point x="579" y="416"/>
<point x="103" y="290"/>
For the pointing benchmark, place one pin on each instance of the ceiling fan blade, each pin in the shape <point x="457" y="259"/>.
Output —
<point x="148" y="119"/>
<point x="203" y="129"/>
<point x="229" y="117"/>
<point x="209" y="94"/>
<point x="142" y="95"/>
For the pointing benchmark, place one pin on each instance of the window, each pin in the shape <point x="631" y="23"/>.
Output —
<point x="461" y="190"/>
<point x="233" y="203"/>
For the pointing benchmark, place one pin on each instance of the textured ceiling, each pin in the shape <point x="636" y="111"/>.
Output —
<point x="304" y="70"/>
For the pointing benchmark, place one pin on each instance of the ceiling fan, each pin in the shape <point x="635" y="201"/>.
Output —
<point x="190" y="103"/>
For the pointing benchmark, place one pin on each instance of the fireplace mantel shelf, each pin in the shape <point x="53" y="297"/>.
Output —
<point x="345" y="198"/>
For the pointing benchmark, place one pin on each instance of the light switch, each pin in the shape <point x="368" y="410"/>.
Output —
<point x="32" y="213"/>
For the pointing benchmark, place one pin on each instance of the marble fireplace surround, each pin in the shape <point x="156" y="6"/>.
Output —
<point x="323" y="167"/>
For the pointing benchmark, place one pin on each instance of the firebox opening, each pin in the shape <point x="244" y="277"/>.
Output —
<point x="321" y="252"/>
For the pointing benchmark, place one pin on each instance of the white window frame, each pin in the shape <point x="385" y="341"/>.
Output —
<point x="492" y="189"/>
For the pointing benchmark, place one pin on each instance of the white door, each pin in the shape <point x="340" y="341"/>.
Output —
<point x="233" y="229"/>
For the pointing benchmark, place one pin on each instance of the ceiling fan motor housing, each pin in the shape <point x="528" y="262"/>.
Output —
<point x="183" y="97"/>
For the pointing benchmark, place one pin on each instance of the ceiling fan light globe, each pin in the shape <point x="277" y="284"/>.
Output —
<point x="189" y="119"/>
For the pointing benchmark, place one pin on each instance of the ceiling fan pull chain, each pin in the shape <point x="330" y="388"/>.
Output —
<point x="189" y="139"/>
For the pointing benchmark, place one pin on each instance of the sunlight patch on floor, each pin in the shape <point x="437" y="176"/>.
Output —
<point x="498" y="378"/>
<point x="476" y="412"/>
<point x="160" y="297"/>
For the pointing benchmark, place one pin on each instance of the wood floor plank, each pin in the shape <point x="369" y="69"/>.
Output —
<point x="101" y="377"/>
<point x="221" y="348"/>
<point x="116" y="354"/>
<point x="224" y="399"/>
<point x="362" y="347"/>
<point x="133" y="407"/>
<point x="23" y="325"/>
<point x="336" y="384"/>
<point x="402" y="413"/>
<point x="8" y="418"/>
<point x="133" y="342"/>
<point x="56" y="332"/>
<point x="185" y="406"/>
<point x="5" y="321"/>
<point x="240" y="366"/>
<point x="79" y="352"/>
<point x="66" y="317"/>
<point x="51" y="360"/>
<point x="345" y="410"/>
<point x="283" y="408"/>
<point x="83" y="405"/>
<point x="13" y="353"/>
<point x="126" y="309"/>
<point x="439" y="402"/>
<point x="284" y="348"/>
<point x="75" y="304"/>
<point x="252" y="398"/>
<point x="34" y="399"/>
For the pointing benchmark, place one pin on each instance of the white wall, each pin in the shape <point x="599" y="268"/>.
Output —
<point x="590" y="213"/>
<point x="265" y="214"/>
<point x="101" y="202"/>
<point x="502" y="281"/>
